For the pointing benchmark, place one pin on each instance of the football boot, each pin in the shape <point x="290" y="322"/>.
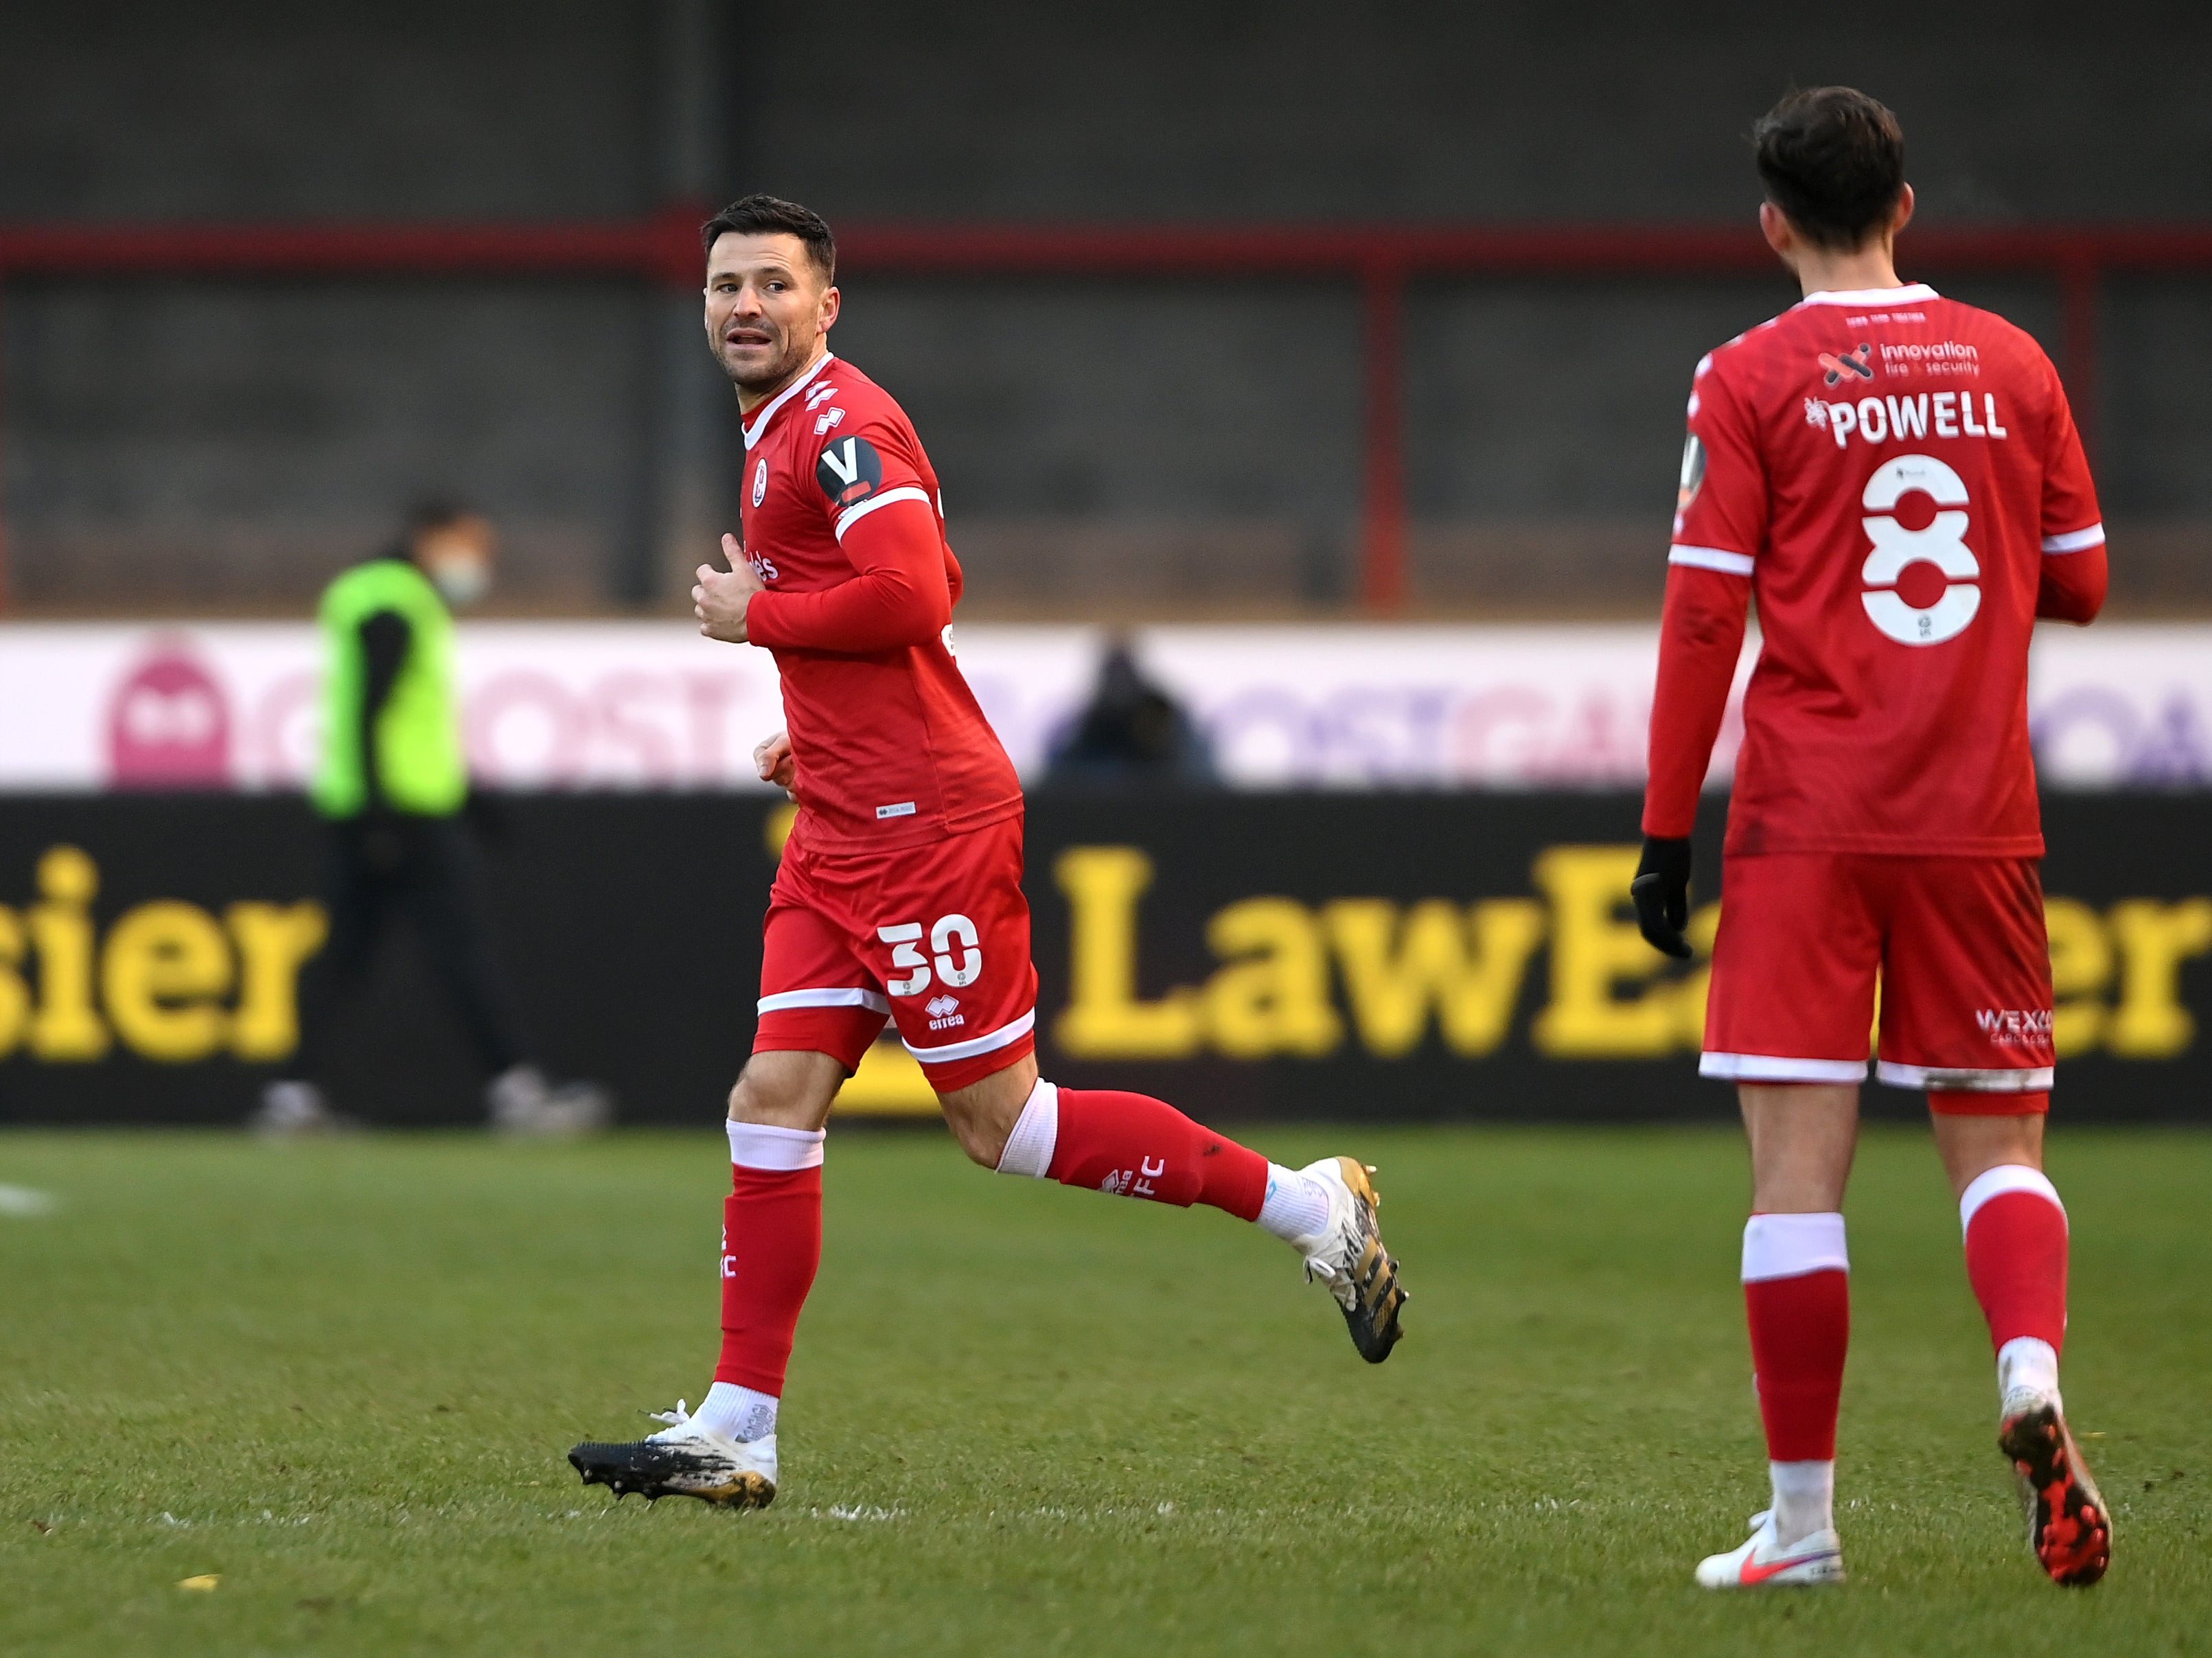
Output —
<point x="2069" y="1527"/>
<point x="1347" y="1255"/>
<point x="686" y="1459"/>
<point x="1763" y="1562"/>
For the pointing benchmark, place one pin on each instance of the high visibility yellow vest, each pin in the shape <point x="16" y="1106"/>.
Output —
<point x="418" y="730"/>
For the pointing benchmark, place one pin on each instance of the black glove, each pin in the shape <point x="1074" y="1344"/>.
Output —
<point x="1661" y="892"/>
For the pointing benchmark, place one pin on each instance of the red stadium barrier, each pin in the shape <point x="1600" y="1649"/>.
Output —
<point x="1380" y="258"/>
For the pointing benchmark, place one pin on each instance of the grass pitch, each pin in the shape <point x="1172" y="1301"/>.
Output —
<point x="340" y="1379"/>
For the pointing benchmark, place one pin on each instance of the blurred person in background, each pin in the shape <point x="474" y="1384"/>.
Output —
<point x="392" y="788"/>
<point x="1132" y="732"/>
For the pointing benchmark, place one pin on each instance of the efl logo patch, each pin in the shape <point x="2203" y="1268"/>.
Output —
<point x="1694" y="473"/>
<point x="1859" y="364"/>
<point x="850" y="470"/>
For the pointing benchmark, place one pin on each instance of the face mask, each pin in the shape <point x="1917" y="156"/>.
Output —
<point x="461" y="580"/>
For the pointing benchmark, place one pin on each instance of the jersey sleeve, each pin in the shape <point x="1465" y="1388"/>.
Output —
<point x="865" y="467"/>
<point x="900" y="593"/>
<point x="1720" y="515"/>
<point x="2071" y="521"/>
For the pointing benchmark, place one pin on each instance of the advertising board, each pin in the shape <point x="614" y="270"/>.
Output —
<point x="651" y="705"/>
<point x="1397" y="956"/>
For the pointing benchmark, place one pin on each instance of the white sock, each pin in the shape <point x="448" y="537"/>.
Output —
<point x="1804" y="1499"/>
<point x="2026" y="1362"/>
<point x="737" y="1412"/>
<point x="760" y="1146"/>
<point x="1036" y="1132"/>
<point x="1297" y="1205"/>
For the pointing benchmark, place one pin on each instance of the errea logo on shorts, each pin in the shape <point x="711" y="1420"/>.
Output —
<point x="944" y="1012"/>
<point x="2014" y="1026"/>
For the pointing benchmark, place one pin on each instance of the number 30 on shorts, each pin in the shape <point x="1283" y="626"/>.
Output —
<point x="949" y="930"/>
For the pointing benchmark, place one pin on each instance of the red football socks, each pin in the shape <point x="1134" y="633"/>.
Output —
<point x="771" y="1247"/>
<point x="1141" y="1147"/>
<point x="1796" y="1293"/>
<point x="2017" y="1255"/>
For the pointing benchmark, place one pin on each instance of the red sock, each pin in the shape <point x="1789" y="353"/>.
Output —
<point x="1142" y="1147"/>
<point x="1800" y="1330"/>
<point x="771" y="1246"/>
<point x="2016" y="1262"/>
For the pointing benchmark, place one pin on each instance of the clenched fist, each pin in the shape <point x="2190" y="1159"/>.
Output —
<point x="720" y="599"/>
<point x="771" y="759"/>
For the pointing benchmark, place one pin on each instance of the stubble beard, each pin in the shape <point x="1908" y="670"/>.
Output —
<point x="787" y="364"/>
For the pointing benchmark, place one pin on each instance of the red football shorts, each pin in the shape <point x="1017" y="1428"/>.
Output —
<point x="1957" y="943"/>
<point x="934" y="937"/>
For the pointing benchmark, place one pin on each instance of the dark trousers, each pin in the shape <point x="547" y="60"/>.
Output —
<point x="424" y="869"/>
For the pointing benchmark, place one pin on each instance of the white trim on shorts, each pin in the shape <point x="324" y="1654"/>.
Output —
<point x="1956" y="1080"/>
<point x="1774" y="1068"/>
<point x="874" y="1001"/>
<point x="1005" y="1036"/>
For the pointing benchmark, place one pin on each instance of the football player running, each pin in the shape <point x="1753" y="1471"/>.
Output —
<point x="899" y="896"/>
<point x="1897" y="479"/>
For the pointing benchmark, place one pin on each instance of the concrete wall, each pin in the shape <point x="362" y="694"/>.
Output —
<point x="1133" y="443"/>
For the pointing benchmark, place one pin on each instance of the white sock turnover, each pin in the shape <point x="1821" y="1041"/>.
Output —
<point x="740" y="1412"/>
<point x="2026" y="1362"/>
<point x="1296" y="1207"/>
<point x="1036" y="1132"/>
<point x="1804" y="1499"/>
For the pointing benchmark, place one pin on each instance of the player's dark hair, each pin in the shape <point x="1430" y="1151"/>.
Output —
<point x="766" y="216"/>
<point x="1833" y="160"/>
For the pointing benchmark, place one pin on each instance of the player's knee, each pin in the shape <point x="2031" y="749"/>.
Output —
<point x="785" y="1090"/>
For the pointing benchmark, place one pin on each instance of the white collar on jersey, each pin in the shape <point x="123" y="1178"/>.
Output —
<point x="753" y="432"/>
<point x="1872" y="295"/>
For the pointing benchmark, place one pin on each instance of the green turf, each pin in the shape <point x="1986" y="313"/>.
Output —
<point x="1029" y="1420"/>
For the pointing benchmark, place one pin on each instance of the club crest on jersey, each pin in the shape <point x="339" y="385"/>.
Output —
<point x="760" y="482"/>
<point x="850" y="470"/>
<point x="1858" y="363"/>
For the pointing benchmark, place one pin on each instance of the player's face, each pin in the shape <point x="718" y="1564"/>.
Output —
<point x="767" y="308"/>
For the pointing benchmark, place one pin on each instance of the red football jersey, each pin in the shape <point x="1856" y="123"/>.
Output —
<point x="892" y="749"/>
<point x="1890" y="468"/>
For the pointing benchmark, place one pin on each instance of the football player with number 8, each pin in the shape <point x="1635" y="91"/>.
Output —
<point x="1896" y="478"/>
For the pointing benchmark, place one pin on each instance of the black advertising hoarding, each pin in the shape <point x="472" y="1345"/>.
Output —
<point x="1402" y="958"/>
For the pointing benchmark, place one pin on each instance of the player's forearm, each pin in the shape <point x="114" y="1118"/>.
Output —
<point x="882" y="611"/>
<point x="899" y="598"/>
<point x="2073" y="584"/>
<point x="1700" y="639"/>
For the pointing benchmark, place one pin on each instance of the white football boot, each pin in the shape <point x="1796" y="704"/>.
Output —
<point x="292" y="1110"/>
<point x="686" y="1459"/>
<point x="522" y="1103"/>
<point x="1347" y="1255"/>
<point x="1763" y="1562"/>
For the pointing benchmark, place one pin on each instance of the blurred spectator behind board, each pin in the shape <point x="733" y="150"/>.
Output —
<point x="1132" y="733"/>
<point x="392" y="787"/>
